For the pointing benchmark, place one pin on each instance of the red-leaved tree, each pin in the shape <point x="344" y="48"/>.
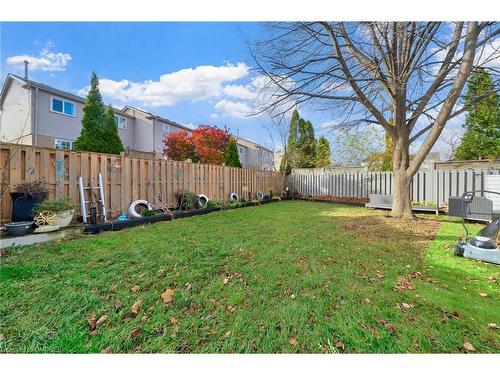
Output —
<point x="210" y="143"/>
<point x="179" y="146"/>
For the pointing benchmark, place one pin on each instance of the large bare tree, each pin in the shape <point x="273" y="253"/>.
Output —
<point x="407" y="77"/>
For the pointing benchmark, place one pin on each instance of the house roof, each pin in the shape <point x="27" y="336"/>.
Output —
<point x="156" y="117"/>
<point x="48" y="89"/>
<point x="257" y="145"/>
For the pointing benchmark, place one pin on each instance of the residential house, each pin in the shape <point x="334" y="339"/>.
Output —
<point x="33" y="113"/>
<point x="254" y="156"/>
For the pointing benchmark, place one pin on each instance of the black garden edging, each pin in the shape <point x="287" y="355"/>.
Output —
<point x="119" y="225"/>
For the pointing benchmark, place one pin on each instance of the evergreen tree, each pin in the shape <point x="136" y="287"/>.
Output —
<point x="231" y="157"/>
<point x="113" y="143"/>
<point x="91" y="137"/>
<point x="323" y="153"/>
<point x="289" y="160"/>
<point x="306" y="145"/>
<point x="482" y="126"/>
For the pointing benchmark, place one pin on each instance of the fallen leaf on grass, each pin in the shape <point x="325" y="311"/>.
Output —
<point x="188" y="286"/>
<point x="292" y="296"/>
<point x="136" y="332"/>
<point x="231" y="309"/>
<point x="106" y="351"/>
<point x="225" y="280"/>
<point x="91" y="320"/>
<point x="2" y="336"/>
<point x="366" y="301"/>
<point x="339" y="344"/>
<point x="405" y="282"/>
<point x="175" y="330"/>
<point x="135" y="288"/>
<point x="101" y="320"/>
<point x="484" y="295"/>
<point x="161" y="272"/>
<point x="118" y="305"/>
<point x="293" y="341"/>
<point x="492" y="326"/>
<point x="389" y="326"/>
<point x="406" y="305"/>
<point x="136" y="307"/>
<point x="468" y="346"/>
<point x="173" y="321"/>
<point x="227" y="334"/>
<point x="168" y="295"/>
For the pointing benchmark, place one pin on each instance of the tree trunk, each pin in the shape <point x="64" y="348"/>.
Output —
<point x="401" y="203"/>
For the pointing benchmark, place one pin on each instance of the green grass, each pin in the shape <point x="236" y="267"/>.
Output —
<point x="332" y="258"/>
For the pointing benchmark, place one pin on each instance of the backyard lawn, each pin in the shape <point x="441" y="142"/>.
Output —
<point x="293" y="276"/>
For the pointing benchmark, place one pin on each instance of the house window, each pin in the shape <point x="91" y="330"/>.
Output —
<point x="63" y="144"/>
<point x="121" y="122"/>
<point x="166" y="128"/>
<point x="63" y="107"/>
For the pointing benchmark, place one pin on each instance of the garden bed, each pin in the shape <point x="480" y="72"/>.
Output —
<point x="359" y="202"/>
<point x="129" y="223"/>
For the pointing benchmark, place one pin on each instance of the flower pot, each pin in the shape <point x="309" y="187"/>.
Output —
<point x="23" y="204"/>
<point x="20" y="228"/>
<point x="63" y="218"/>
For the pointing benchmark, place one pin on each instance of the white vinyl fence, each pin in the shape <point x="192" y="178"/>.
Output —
<point x="433" y="185"/>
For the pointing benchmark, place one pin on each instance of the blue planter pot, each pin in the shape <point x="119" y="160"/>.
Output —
<point x="23" y="204"/>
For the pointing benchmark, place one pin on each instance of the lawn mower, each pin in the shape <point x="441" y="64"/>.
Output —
<point x="483" y="245"/>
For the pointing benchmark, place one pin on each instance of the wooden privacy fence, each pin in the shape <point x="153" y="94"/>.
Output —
<point x="125" y="178"/>
<point x="432" y="185"/>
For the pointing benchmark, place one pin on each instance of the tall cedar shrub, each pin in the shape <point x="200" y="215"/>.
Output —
<point x="113" y="143"/>
<point x="231" y="157"/>
<point x="91" y="137"/>
<point x="323" y="153"/>
<point x="306" y="145"/>
<point x="481" y="139"/>
<point x="289" y="160"/>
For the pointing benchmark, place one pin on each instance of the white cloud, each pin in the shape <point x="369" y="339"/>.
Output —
<point x="253" y="98"/>
<point x="47" y="60"/>
<point x="240" y="92"/>
<point x="233" y="109"/>
<point x="328" y="125"/>
<point x="190" y="84"/>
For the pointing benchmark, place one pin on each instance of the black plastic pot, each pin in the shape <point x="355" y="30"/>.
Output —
<point x="19" y="229"/>
<point x="23" y="204"/>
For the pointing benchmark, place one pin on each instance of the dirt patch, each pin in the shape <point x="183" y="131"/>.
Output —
<point x="378" y="227"/>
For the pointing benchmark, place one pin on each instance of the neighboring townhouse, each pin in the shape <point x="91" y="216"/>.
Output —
<point x="151" y="129"/>
<point x="41" y="115"/>
<point x="32" y="113"/>
<point x="254" y="156"/>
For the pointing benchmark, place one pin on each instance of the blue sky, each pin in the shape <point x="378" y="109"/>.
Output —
<point x="191" y="73"/>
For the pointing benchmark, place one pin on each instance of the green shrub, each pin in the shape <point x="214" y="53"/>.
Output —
<point x="185" y="200"/>
<point x="147" y="213"/>
<point x="55" y="205"/>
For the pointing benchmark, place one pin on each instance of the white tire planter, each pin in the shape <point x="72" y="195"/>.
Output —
<point x="140" y="202"/>
<point x="234" y="197"/>
<point x="260" y="195"/>
<point x="201" y="200"/>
